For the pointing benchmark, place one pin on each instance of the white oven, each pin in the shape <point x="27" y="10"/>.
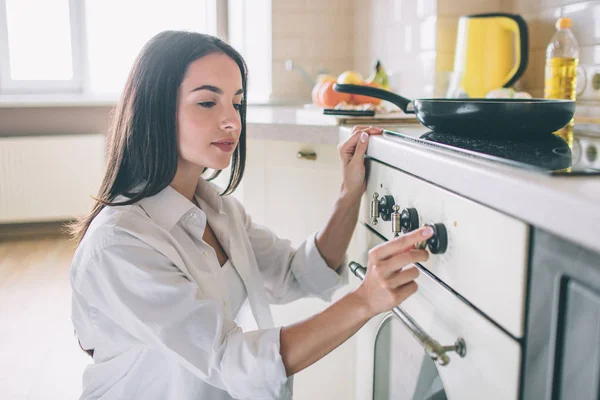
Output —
<point x="458" y="337"/>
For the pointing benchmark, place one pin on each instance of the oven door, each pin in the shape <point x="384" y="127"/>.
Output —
<point x="392" y="360"/>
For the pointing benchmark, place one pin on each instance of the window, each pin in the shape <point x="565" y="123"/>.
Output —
<point x="249" y="31"/>
<point x="87" y="46"/>
<point x="38" y="46"/>
<point x="117" y="30"/>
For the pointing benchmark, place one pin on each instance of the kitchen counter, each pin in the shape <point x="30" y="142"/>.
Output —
<point x="282" y="123"/>
<point x="566" y="206"/>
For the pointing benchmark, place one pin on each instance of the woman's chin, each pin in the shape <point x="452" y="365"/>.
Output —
<point x="218" y="164"/>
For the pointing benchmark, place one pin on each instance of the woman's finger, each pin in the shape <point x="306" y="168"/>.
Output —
<point x="389" y="267"/>
<point x="360" y="149"/>
<point x="360" y="128"/>
<point x="400" y="244"/>
<point x="405" y="291"/>
<point x="352" y="141"/>
<point x="403" y="277"/>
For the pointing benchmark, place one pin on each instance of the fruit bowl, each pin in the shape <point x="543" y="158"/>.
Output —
<point x="323" y="95"/>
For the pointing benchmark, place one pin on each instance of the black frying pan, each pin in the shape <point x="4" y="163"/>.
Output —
<point x="479" y="117"/>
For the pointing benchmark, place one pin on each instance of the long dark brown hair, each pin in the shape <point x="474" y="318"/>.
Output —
<point x="141" y="146"/>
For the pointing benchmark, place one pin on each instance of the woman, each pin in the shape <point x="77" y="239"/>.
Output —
<point x="165" y="261"/>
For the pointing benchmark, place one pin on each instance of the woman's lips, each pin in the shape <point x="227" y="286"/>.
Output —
<point x="226" y="147"/>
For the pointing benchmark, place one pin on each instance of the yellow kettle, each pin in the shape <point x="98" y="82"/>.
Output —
<point x="491" y="52"/>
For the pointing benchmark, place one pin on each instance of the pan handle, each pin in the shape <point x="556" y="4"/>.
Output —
<point x="370" y="91"/>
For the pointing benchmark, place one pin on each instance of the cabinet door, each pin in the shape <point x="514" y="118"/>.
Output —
<point x="299" y="196"/>
<point x="299" y="193"/>
<point x="563" y="324"/>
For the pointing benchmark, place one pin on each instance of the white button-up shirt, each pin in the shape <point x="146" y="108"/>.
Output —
<point x="151" y="299"/>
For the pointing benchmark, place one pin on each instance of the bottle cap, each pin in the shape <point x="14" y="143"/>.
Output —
<point x="564" y="23"/>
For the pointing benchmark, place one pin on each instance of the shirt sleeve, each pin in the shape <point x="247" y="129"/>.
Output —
<point x="290" y="273"/>
<point x="145" y="294"/>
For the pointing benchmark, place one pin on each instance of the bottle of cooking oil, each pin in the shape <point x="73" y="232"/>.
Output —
<point x="562" y="58"/>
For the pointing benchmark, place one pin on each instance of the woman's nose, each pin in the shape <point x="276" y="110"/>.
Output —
<point x="231" y="119"/>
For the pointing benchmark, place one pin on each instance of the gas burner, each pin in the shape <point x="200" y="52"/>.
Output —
<point x="568" y="152"/>
<point x="548" y="152"/>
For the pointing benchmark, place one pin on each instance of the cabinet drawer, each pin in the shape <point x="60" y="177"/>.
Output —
<point x="486" y="258"/>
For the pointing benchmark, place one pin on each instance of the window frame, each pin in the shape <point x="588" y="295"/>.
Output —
<point x="80" y="82"/>
<point x="73" y="85"/>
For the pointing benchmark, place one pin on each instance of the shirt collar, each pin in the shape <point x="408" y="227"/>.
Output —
<point x="168" y="206"/>
<point x="210" y="194"/>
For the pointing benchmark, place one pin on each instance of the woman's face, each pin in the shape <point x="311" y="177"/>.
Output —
<point x="208" y="111"/>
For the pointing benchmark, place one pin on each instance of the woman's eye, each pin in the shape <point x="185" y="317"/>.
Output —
<point x="207" y="104"/>
<point x="237" y="106"/>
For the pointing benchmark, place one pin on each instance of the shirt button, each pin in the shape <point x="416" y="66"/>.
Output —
<point x="205" y="254"/>
<point x="193" y="214"/>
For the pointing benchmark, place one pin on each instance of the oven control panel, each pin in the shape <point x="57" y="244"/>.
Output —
<point x="488" y="267"/>
<point x="407" y="221"/>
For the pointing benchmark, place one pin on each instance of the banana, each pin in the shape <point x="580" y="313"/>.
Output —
<point x="379" y="76"/>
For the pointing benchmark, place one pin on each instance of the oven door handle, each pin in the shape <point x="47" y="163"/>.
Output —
<point x="436" y="351"/>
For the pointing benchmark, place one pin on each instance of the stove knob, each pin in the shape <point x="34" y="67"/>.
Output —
<point x="374" y="208"/>
<point x="438" y="243"/>
<point x="423" y="244"/>
<point x="385" y="207"/>
<point x="409" y="220"/>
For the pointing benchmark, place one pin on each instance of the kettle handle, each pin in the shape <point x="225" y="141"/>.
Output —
<point x="518" y="26"/>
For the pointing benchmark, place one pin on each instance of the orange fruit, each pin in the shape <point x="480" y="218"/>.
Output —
<point x="321" y="79"/>
<point x="362" y="99"/>
<point x="315" y="94"/>
<point x="329" y="97"/>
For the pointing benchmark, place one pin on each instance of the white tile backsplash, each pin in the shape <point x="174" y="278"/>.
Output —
<point x="466" y="7"/>
<point x="541" y="16"/>
<point x="314" y="35"/>
<point x="397" y="32"/>
<point x="525" y="6"/>
<point x="343" y="34"/>
<point x="426" y="8"/>
<point x="447" y="30"/>
<point x="287" y="6"/>
<point x="427" y="33"/>
<point x="586" y="21"/>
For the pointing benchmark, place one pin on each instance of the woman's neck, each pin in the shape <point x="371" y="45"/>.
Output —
<point x="186" y="180"/>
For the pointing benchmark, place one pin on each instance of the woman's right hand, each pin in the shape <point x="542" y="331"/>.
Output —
<point x="387" y="282"/>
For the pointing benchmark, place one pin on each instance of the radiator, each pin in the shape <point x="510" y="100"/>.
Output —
<point x="49" y="178"/>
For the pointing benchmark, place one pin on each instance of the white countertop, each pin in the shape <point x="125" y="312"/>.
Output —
<point x="283" y="123"/>
<point x="566" y="206"/>
<point x="302" y="125"/>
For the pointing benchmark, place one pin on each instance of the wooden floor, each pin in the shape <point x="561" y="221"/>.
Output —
<point x="39" y="356"/>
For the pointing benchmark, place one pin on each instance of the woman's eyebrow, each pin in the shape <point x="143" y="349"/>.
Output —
<point x="214" y="89"/>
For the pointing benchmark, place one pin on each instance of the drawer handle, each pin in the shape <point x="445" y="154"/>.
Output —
<point x="307" y="155"/>
<point x="436" y="351"/>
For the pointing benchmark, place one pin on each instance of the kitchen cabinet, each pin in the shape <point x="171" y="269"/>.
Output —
<point x="562" y="356"/>
<point x="294" y="197"/>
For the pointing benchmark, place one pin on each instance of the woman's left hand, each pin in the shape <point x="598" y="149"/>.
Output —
<point x="352" y="152"/>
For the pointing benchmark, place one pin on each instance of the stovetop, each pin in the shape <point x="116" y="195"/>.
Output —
<point x="572" y="151"/>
